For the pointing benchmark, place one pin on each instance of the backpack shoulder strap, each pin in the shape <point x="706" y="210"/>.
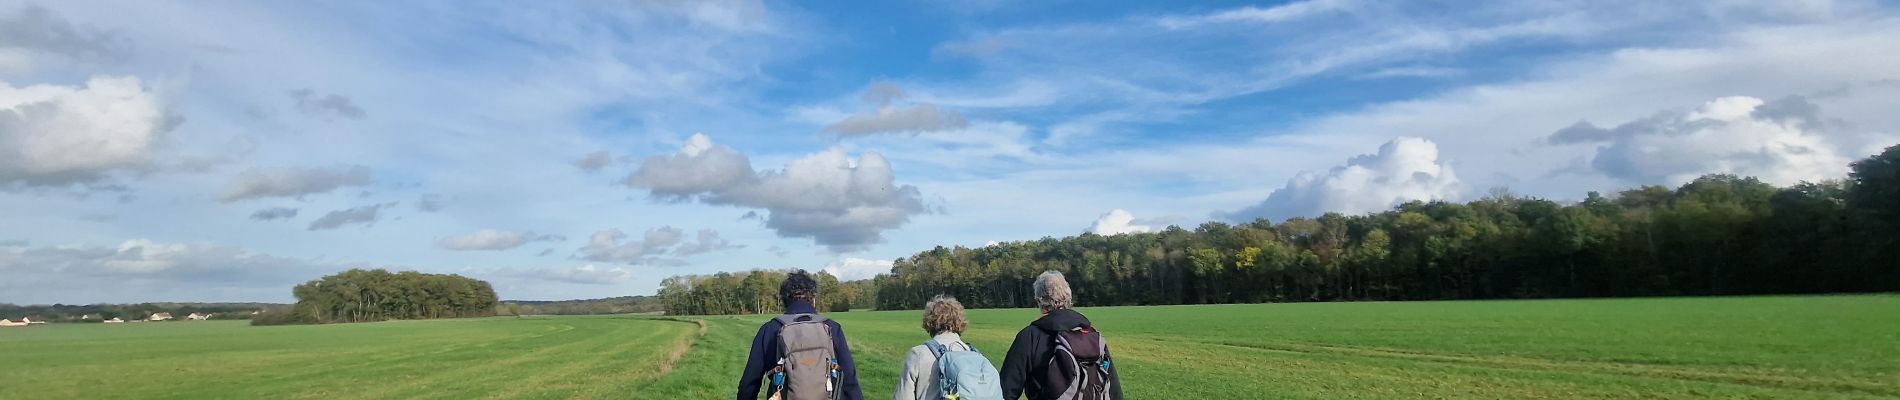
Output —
<point x="936" y="349"/>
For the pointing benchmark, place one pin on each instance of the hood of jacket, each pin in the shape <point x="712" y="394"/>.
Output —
<point x="1061" y="320"/>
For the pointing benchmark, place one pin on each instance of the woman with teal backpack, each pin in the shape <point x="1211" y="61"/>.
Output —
<point x="945" y="367"/>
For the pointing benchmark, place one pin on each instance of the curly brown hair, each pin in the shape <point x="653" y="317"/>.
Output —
<point x="944" y="314"/>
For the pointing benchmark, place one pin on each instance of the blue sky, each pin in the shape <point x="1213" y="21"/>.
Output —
<point x="224" y="151"/>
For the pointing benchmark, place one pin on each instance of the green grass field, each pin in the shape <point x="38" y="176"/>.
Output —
<point x="1720" y="348"/>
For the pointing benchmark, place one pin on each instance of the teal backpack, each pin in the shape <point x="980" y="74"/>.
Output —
<point x="966" y="375"/>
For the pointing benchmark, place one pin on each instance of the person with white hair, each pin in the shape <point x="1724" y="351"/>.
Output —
<point x="1061" y="355"/>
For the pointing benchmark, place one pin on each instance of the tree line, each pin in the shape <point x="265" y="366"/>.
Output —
<point x="611" y="305"/>
<point x="102" y="312"/>
<point x="755" y="292"/>
<point x="1716" y="235"/>
<point x="360" y="295"/>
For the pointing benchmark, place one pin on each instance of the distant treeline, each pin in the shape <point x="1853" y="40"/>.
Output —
<point x="1717" y="235"/>
<point x="101" y="312"/>
<point x="754" y="292"/>
<point x="376" y="295"/>
<point x="611" y="305"/>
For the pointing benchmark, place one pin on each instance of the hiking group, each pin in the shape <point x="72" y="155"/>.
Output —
<point x="802" y="355"/>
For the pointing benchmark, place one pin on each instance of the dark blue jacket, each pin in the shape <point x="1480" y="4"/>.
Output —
<point x="765" y="355"/>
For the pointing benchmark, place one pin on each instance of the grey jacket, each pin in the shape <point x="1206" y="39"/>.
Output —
<point x="919" y="379"/>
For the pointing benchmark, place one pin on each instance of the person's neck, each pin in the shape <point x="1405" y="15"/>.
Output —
<point x="801" y="306"/>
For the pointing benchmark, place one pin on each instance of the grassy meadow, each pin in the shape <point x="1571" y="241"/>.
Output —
<point x="1830" y="347"/>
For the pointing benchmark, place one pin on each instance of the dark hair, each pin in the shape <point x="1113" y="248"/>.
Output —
<point x="797" y="286"/>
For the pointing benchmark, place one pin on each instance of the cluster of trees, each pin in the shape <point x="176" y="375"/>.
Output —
<point x="611" y="305"/>
<point x="755" y="292"/>
<point x="1717" y="235"/>
<point x="101" y="312"/>
<point x="361" y="295"/>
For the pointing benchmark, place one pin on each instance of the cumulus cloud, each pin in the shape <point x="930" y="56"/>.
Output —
<point x="492" y="239"/>
<point x="328" y="107"/>
<point x="1116" y="222"/>
<point x="706" y="241"/>
<point x="357" y="215"/>
<point x="274" y="213"/>
<point x="1781" y="142"/>
<point x="851" y="269"/>
<point x="891" y="118"/>
<point x="54" y="135"/>
<point x="654" y="246"/>
<point x="595" y="161"/>
<point x="293" y="182"/>
<point x="585" y="274"/>
<point x="1405" y="169"/>
<point x="836" y="201"/>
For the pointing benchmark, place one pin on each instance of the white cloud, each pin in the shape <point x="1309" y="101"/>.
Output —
<point x="585" y="274"/>
<point x="706" y="241"/>
<point x="1404" y="169"/>
<point x="1116" y="222"/>
<point x="492" y="239"/>
<point x="1256" y="15"/>
<point x="654" y="247"/>
<point x="1778" y="142"/>
<point x="839" y="202"/>
<point x="851" y="268"/>
<point x="56" y="135"/>
<point x="358" y="215"/>
<point x="293" y="182"/>
<point x="891" y="118"/>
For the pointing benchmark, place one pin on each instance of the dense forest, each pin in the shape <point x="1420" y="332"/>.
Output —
<point x="361" y="295"/>
<point x="101" y="312"/>
<point x="1717" y="235"/>
<point x="611" y="305"/>
<point x="755" y="292"/>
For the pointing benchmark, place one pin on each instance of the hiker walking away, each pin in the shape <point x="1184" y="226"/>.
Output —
<point x="800" y="355"/>
<point x="945" y="367"/>
<point x="1060" y="356"/>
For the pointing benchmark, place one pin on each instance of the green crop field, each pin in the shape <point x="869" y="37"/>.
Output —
<point x="1724" y="348"/>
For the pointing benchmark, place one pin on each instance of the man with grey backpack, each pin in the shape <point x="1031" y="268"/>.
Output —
<point x="800" y="355"/>
<point x="945" y="367"/>
<point x="1060" y="356"/>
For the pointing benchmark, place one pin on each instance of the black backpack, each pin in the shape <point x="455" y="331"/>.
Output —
<point x="1079" y="369"/>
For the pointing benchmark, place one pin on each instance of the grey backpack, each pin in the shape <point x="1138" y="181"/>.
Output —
<point x="808" y="365"/>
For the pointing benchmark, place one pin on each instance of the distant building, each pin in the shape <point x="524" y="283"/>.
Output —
<point x="8" y="322"/>
<point x="160" y="316"/>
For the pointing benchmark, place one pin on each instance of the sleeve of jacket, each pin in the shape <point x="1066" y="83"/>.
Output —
<point x="907" y="384"/>
<point x="756" y="364"/>
<point x="1016" y="363"/>
<point x="1114" y="374"/>
<point x="847" y="369"/>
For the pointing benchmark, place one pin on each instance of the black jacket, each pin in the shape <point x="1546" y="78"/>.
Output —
<point x="1029" y="355"/>
<point x="765" y="355"/>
